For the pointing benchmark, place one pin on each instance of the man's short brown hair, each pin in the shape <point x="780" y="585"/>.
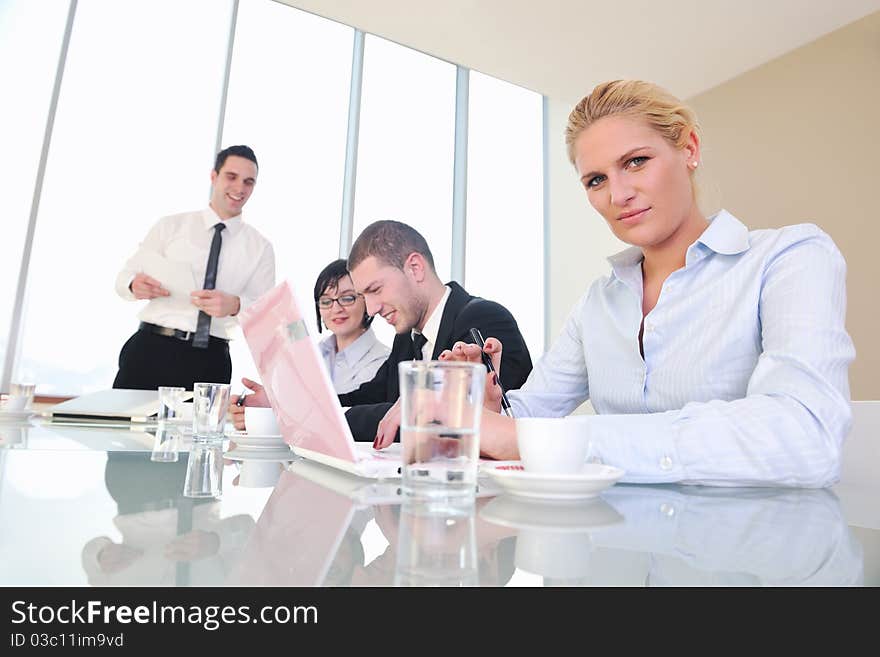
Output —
<point x="390" y="242"/>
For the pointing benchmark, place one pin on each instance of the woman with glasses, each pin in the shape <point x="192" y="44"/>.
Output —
<point x="352" y="351"/>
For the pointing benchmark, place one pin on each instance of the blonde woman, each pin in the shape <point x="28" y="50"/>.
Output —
<point x="712" y="354"/>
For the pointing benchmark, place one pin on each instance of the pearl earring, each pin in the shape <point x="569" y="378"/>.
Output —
<point x="694" y="164"/>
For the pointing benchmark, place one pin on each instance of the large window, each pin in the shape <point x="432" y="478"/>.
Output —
<point x="29" y="32"/>
<point x="505" y="228"/>
<point x="149" y="90"/>
<point x="296" y="125"/>
<point x="405" y="149"/>
<point x="133" y="141"/>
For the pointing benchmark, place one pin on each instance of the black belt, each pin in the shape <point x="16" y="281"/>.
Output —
<point x="186" y="336"/>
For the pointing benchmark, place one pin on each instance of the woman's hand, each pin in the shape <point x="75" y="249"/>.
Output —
<point x="259" y="398"/>
<point x="498" y="437"/>
<point x="386" y="432"/>
<point x="470" y="353"/>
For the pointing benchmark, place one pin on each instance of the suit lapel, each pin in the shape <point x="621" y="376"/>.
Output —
<point x="405" y="347"/>
<point x="458" y="299"/>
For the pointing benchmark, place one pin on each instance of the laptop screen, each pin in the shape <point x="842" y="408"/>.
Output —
<point x="293" y="372"/>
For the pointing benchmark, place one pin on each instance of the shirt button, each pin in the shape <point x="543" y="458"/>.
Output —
<point x="649" y="327"/>
<point x="666" y="463"/>
<point x="667" y="510"/>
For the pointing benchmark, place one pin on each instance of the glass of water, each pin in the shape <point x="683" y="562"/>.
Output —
<point x="441" y="408"/>
<point x="170" y="405"/>
<point x="210" y="404"/>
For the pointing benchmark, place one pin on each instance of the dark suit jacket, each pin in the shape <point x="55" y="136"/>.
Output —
<point x="371" y="400"/>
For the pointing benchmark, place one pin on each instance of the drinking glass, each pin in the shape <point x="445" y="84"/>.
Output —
<point x="210" y="404"/>
<point x="441" y="407"/>
<point x="170" y="405"/>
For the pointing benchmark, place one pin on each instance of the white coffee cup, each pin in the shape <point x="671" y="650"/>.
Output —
<point x="260" y="421"/>
<point x="20" y="397"/>
<point x="15" y="403"/>
<point x="552" y="445"/>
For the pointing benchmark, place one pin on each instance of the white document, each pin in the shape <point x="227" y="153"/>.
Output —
<point x="176" y="277"/>
<point x="117" y="404"/>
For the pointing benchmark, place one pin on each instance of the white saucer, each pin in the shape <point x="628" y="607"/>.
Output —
<point x="244" y="454"/>
<point x="258" y="442"/>
<point x="245" y="434"/>
<point x="589" y="482"/>
<point x="551" y="516"/>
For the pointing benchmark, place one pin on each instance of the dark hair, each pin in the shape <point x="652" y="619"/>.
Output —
<point x="390" y="242"/>
<point x="241" y="151"/>
<point x="329" y="277"/>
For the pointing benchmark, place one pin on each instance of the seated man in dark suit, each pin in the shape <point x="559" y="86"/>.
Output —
<point x="392" y="267"/>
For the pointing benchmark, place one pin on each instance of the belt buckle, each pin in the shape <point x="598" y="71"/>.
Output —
<point x="185" y="335"/>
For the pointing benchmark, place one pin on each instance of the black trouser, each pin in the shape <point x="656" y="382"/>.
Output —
<point x="148" y="360"/>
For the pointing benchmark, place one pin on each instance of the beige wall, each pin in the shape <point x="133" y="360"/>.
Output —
<point x="580" y="240"/>
<point x="796" y="140"/>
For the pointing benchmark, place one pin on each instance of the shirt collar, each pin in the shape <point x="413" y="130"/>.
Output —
<point x="210" y="219"/>
<point x="432" y="326"/>
<point x="354" y="352"/>
<point x="725" y="234"/>
<point x="360" y="347"/>
<point x="328" y="345"/>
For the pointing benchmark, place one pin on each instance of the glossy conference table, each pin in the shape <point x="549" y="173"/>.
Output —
<point x="88" y="506"/>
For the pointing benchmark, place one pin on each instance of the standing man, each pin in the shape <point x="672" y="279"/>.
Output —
<point x="392" y="267"/>
<point x="184" y="340"/>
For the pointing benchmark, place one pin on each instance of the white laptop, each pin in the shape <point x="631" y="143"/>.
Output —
<point x="299" y="389"/>
<point x="117" y="405"/>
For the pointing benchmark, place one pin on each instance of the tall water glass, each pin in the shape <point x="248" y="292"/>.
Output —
<point x="170" y="405"/>
<point x="441" y="407"/>
<point x="210" y="404"/>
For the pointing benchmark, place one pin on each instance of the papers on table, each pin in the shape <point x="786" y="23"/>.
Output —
<point x="112" y="405"/>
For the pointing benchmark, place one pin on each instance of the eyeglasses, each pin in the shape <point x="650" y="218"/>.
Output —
<point x="326" y="303"/>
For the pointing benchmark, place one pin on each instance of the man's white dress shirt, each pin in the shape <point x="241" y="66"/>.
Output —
<point x="432" y="326"/>
<point x="744" y="376"/>
<point x="246" y="267"/>
<point x="357" y="363"/>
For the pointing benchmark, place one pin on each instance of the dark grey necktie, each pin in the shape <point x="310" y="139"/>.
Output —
<point x="419" y="341"/>
<point x="203" y="328"/>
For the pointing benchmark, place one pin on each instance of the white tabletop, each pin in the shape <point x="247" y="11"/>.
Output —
<point x="85" y="506"/>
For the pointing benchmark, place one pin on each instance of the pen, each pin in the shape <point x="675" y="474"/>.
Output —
<point x="487" y="361"/>
<point x="241" y="398"/>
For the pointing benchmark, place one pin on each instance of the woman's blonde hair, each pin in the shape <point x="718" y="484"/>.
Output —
<point x="635" y="99"/>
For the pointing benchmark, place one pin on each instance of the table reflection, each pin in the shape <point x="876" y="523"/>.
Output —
<point x="694" y="536"/>
<point x="316" y="526"/>
<point x="166" y="538"/>
<point x="310" y="532"/>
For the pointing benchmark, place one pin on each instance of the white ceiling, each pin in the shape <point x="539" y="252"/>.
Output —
<point x="562" y="48"/>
